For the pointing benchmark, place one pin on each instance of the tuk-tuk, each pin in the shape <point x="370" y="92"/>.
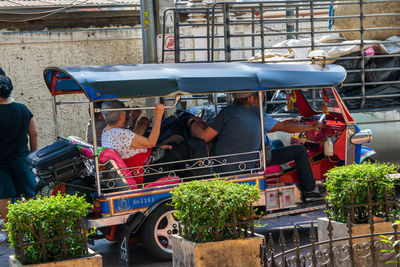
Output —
<point x="124" y="207"/>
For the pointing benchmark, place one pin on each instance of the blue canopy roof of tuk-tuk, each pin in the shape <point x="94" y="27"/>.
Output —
<point x="149" y="80"/>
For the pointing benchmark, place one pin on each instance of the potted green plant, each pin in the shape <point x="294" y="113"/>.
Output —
<point x="358" y="192"/>
<point x="50" y="230"/>
<point x="215" y="219"/>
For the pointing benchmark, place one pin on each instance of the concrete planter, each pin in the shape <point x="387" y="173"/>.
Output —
<point x="238" y="253"/>
<point x="360" y="255"/>
<point x="93" y="259"/>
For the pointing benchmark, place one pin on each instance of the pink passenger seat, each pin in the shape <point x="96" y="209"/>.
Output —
<point x="110" y="155"/>
<point x="273" y="169"/>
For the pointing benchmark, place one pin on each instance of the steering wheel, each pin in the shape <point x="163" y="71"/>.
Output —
<point x="320" y="118"/>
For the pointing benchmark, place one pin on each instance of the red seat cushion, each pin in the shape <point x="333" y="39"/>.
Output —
<point x="136" y="161"/>
<point x="273" y="169"/>
<point x="164" y="181"/>
<point x="111" y="154"/>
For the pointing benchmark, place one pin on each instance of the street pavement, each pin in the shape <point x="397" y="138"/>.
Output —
<point x="139" y="257"/>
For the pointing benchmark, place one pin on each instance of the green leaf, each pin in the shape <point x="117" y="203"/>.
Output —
<point x="385" y="237"/>
<point x="343" y="181"/>
<point x="209" y="205"/>
<point x="48" y="213"/>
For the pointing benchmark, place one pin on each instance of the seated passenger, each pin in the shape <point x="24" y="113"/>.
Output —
<point x="238" y="130"/>
<point x="132" y="147"/>
<point x="130" y="123"/>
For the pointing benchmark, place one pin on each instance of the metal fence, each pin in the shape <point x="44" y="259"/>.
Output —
<point x="342" y="244"/>
<point x="239" y="228"/>
<point x="285" y="31"/>
<point x="71" y="242"/>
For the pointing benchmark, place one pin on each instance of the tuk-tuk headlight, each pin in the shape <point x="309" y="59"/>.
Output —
<point x="362" y="137"/>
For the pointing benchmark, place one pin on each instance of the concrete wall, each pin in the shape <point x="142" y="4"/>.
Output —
<point x="24" y="56"/>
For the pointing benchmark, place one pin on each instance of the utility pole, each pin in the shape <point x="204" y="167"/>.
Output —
<point x="151" y="19"/>
<point x="147" y="20"/>
<point x="290" y="15"/>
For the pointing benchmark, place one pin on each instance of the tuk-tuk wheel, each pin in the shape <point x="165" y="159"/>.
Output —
<point x="157" y="232"/>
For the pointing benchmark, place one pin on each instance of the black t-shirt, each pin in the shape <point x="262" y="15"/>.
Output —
<point x="239" y="131"/>
<point x="14" y="124"/>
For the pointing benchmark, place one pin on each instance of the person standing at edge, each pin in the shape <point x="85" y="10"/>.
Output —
<point x="17" y="123"/>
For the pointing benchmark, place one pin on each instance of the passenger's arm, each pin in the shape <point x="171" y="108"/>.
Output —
<point x="140" y="141"/>
<point x="207" y="134"/>
<point x="33" y="135"/>
<point x="141" y="126"/>
<point x="133" y="117"/>
<point x="290" y="126"/>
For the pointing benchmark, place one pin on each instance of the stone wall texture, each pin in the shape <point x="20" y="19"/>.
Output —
<point x="24" y="56"/>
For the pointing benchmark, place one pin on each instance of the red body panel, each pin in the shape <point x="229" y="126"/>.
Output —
<point x="319" y="166"/>
<point x="333" y="129"/>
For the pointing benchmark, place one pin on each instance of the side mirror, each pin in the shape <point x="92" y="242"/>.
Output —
<point x="362" y="137"/>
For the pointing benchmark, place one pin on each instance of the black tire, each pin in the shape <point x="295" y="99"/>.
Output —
<point x="157" y="231"/>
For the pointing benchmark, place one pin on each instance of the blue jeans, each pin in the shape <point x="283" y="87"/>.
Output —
<point x="299" y="154"/>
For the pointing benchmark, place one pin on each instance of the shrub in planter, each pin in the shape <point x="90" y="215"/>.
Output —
<point x="343" y="182"/>
<point x="205" y="206"/>
<point x="48" y="228"/>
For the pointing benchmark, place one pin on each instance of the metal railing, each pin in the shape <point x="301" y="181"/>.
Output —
<point x="113" y="179"/>
<point x="283" y="31"/>
<point x="372" y="248"/>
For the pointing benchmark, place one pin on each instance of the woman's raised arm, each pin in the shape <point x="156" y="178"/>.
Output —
<point x="140" y="141"/>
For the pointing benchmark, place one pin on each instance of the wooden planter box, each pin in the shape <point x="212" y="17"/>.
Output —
<point x="360" y="259"/>
<point x="93" y="259"/>
<point x="238" y="253"/>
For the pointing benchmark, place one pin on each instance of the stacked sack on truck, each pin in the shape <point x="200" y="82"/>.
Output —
<point x="345" y="51"/>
